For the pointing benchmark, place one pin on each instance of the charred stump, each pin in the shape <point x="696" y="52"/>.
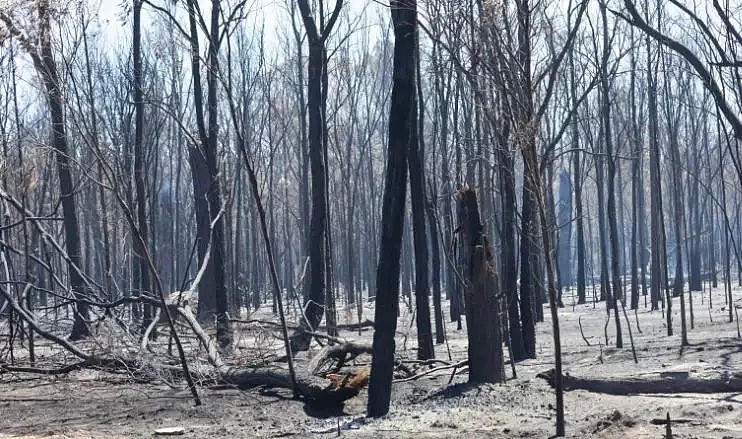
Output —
<point x="481" y="294"/>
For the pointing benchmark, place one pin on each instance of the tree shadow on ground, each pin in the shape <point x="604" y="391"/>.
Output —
<point x="311" y="408"/>
<point x="457" y="390"/>
<point x="319" y="411"/>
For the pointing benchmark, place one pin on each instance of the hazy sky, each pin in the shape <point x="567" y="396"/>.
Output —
<point x="273" y="14"/>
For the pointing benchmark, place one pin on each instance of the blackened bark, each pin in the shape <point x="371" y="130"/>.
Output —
<point x="532" y="176"/>
<point x="564" y="223"/>
<point x="47" y="69"/>
<point x="529" y="248"/>
<point x="656" y="241"/>
<point x="509" y="260"/>
<point x="605" y="287"/>
<point x="407" y="261"/>
<point x="403" y="116"/>
<point x="580" y="226"/>
<point x="303" y="153"/>
<point x="416" y="155"/>
<point x="452" y="283"/>
<point x="577" y="175"/>
<point x="330" y="307"/>
<point x="205" y="171"/>
<point x="483" y="300"/>
<point x="223" y="329"/>
<point x="678" y="283"/>
<point x="435" y="252"/>
<point x="554" y="232"/>
<point x="612" y="220"/>
<point x="200" y="177"/>
<point x="636" y="148"/>
<point x="141" y="207"/>
<point x="695" y="282"/>
<point x="316" y="297"/>
<point x="711" y="214"/>
<point x="528" y="254"/>
<point x="694" y="260"/>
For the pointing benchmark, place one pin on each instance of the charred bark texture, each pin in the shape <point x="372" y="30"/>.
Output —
<point x="403" y="116"/>
<point x="483" y="301"/>
<point x="317" y="242"/>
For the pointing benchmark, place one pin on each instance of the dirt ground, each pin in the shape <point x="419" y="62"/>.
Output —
<point x="89" y="404"/>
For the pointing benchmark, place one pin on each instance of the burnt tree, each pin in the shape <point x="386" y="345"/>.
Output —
<point x="416" y="163"/>
<point x="402" y="118"/>
<point x="45" y="65"/>
<point x="212" y="294"/>
<point x="316" y="99"/>
<point x="483" y="301"/>
<point x="141" y="200"/>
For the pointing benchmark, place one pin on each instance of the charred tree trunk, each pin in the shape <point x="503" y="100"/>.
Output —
<point x="656" y="219"/>
<point x="402" y="120"/>
<point x="532" y="176"/>
<point x="46" y="67"/>
<point x="529" y="248"/>
<point x="564" y="223"/>
<point x="205" y="169"/>
<point x="677" y="192"/>
<point x="605" y="287"/>
<point x="577" y="176"/>
<point x="612" y="220"/>
<point x="416" y="164"/>
<point x="440" y="335"/>
<point x="318" y="222"/>
<point x="483" y="301"/>
<point x="580" y="226"/>
<point x="636" y="188"/>
<point x="528" y="268"/>
<point x="141" y="209"/>
<point x="223" y="329"/>
<point x="330" y="306"/>
<point x="695" y="281"/>
<point x="317" y="241"/>
<point x="509" y="260"/>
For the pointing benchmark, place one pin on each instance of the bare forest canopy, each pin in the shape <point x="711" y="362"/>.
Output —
<point x="327" y="163"/>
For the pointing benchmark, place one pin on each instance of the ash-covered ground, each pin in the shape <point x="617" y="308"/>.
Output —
<point x="91" y="404"/>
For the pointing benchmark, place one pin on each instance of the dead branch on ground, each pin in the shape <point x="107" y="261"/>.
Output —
<point x="660" y="382"/>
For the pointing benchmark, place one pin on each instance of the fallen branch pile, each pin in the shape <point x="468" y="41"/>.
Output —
<point x="327" y="379"/>
<point x="311" y="388"/>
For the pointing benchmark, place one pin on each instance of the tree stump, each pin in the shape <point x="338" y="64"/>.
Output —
<point x="481" y="295"/>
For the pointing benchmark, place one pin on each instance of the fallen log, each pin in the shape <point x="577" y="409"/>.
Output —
<point x="104" y="364"/>
<point x="312" y="389"/>
<point x="661" y="382"/>
<point x="665" y="421"/>
<point x="330" y="392"/>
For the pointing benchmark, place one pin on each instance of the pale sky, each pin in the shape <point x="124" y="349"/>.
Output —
<point x="273" y="14"/>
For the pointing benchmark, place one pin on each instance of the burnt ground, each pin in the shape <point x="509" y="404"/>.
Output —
<point x="91" y="404"/>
